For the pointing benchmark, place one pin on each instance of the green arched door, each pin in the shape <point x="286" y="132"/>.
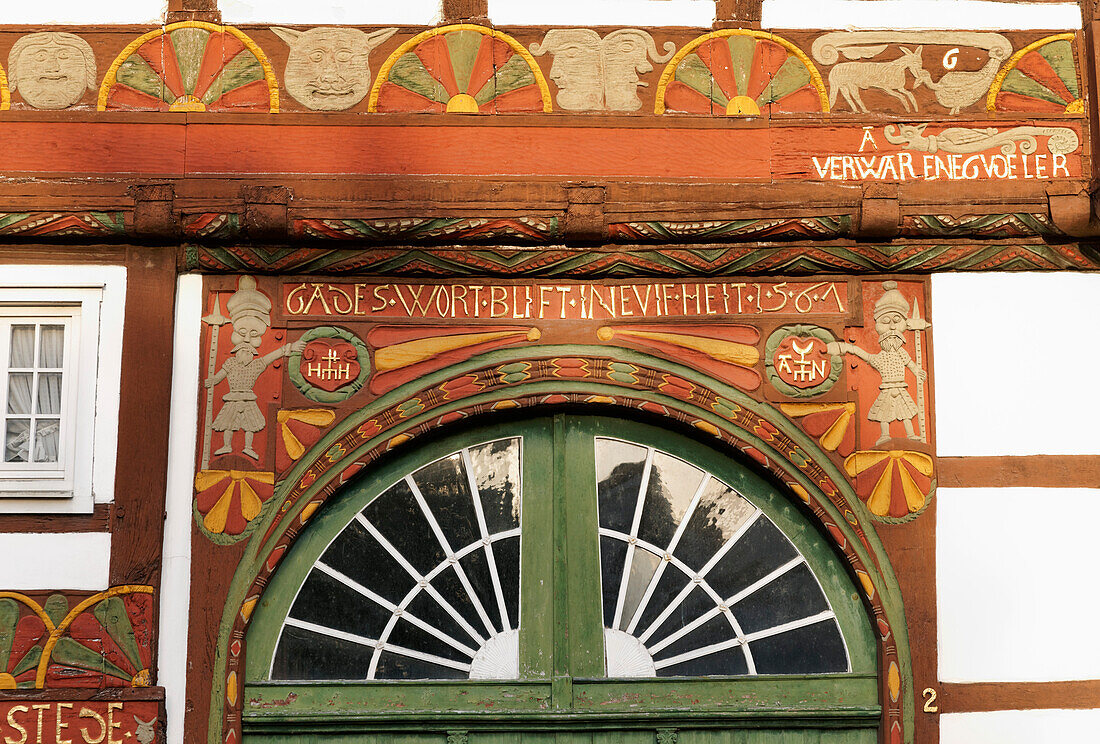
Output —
<point x="572" y="576"/>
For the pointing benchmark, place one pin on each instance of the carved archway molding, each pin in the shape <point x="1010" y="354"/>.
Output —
<point x="527" y="378"/>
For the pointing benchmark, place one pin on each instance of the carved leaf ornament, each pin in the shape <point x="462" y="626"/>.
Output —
<point x="191" y="66"/>
<point x="740" y="72"/>
<point x="103" y="641"/>
<point x="461" y="68"/>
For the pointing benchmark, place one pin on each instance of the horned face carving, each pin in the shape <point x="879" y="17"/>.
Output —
<point x="328" y="68"/>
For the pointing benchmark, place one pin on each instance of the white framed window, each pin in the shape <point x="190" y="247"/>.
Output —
<point x="60" y="353"/>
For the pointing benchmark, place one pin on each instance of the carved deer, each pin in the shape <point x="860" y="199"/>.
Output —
<point x="849" y="78"/>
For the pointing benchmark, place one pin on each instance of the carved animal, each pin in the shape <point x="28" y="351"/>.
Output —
<point x="1060" y="140"/>
<point x="849" y="78"/>
<point x="958" y="89"/>
<point x="145" y="732"/>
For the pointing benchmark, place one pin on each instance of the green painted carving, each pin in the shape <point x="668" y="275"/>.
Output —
<point x="294" y="366"/>
<point x="777" y="337"/>
<point x="706" y="261"/>
<point x="730" y="230"/>
<point x="1017" y="225"/>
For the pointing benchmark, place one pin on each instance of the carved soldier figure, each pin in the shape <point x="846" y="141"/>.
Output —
<point x="250" y="313"/>
<point x="894" y="403"/>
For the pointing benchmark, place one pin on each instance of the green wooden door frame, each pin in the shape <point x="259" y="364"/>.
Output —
<point x="561" y="638"/>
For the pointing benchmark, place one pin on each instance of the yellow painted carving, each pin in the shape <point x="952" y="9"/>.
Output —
<point x="112" y="71"/>
<point x="832" y="438"/>
<point x="247" y="608"/>
<point x="215" y="519"/>
<point x="732" y="352"/>
<point x="384" y="73"/>
<point x="231" y="688"/>
<point x="742" y="106"/>
<point x="412" y="352"/>
<point x="708" y="427"/>
<point x="1078" y="106"/>
<point x="319" y="417"/>
<point x="309" y="511"/>
<point x="868" y="587"/>
<point x="879" y="502"/>
<point x="670" y="68"/>
<point x="462" y="103"/>
<point x="893" y="681"/>
<point x="5" y="94"/>
<point x="7" y="682"/>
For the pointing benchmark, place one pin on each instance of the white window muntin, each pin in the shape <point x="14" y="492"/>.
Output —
<point x="77" y="309"/>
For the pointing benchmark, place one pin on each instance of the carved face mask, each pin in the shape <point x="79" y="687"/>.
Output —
<point x="328" y="68"/>
<point x="52" y="70"/>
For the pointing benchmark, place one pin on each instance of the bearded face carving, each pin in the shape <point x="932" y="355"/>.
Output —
<point x="328" y="67"/>
<point x="594" y="74"/>
<point x="51" y="69"/>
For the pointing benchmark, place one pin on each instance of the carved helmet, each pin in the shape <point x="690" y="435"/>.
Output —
<point x="892" y="301"/>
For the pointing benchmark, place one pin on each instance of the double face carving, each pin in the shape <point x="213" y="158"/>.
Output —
<point x="51" y="69"/>
<point x="594" y="74"/>
<point x="328" y="68"/>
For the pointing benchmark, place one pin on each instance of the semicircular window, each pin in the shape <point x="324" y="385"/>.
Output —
<point x="423" y="583"/>
<point x="697" y="580"/>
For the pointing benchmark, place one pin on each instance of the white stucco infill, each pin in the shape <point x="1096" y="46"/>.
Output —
<point x="1014" y="366"/>
<point x="66" y="561"/>
<point x="1016" y="585"/>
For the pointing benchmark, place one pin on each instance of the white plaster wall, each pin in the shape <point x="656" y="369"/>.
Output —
<point x="83" y="11"/>
<point x="1021" y="727"/>
<point x="1016" y="583"/>
<point x="915" y="14"/>
<point x="1016" y="361"/>
<point x="426" y="12"/>
<point x="603" y="12"/>
<point x="176" y="572"/>
<point x="74" y="561"/>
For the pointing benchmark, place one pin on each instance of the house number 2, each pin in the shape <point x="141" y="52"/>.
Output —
<point x="930" y="701"/>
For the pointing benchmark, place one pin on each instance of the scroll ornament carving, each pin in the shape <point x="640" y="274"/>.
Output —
<point x="1061" y="140"/>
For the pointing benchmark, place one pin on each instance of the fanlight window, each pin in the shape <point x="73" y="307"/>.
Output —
<point x="423" y="583"/>
<point x="697" y="580"/>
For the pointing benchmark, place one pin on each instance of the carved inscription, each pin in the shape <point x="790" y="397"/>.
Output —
<point x="565" y="301"/>
<point x="77" y="722"/>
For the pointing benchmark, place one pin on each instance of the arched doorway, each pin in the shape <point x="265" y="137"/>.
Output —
<point x="567" y="572"/>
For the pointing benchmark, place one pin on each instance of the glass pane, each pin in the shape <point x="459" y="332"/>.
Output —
<point x="793" y="596"/>
<point x="813" y="649"/>
<point x="619" y="467"/>
<point x="497" y="475"/>
<point x="672" y="484"/>
<point x="22" y="347"/>
<point x="19" y="392"/>
<point x="304" y="654"/>
<point x="642" y="568"/>
<point x="47" y="437"/>
<point x="17" y="441"/>
<point x="721" y="512"/>
<point x="52" y="347"/>
<point x="446" y="491"/>
<point x="49" y="393"/>
<point x="400" y="520"/>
